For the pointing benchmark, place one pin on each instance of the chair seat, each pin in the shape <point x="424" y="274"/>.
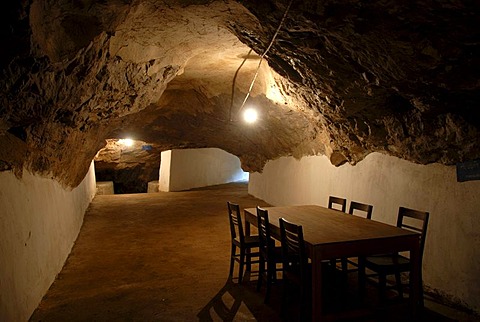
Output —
<point x="388" y="264"/>
<point x="250" y="240"/>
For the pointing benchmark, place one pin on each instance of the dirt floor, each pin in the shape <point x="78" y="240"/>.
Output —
<point x="165" y="257"/>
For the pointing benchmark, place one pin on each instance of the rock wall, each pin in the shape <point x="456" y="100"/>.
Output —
<point x="353" y="78"/>
<point x="393" y="76"/>
<point x="129" y="167"/>
<point x="39" y="222"/>
<point x="451" y="257"/>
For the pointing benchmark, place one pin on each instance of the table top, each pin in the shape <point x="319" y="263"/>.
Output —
<point x="327" y="226"/>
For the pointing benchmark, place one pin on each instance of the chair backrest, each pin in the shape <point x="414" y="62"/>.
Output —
<point x="236" y="227"/>
<point x="336" y="201"/>
<point x="263" y="230"/>
<point x="418" y="222"/>
<point x="293" y="248"/>
<point x="361" y="207"/>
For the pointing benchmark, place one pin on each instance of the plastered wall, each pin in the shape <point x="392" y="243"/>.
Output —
<point x="452" y="251"/>
<point x="164" y="171"/>
<point x="193" y="168"/>
<point x="39" y="222"/>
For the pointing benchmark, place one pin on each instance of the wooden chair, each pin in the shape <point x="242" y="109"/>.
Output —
<point x="394" y="264"/>
<point x="270" y="255"/>
<point x="366" y="209"/>
<point x="296" y="271"/>
<point x="366" y="212"/>
<point x="334" y="202"/>
<point x="240" y="241"/>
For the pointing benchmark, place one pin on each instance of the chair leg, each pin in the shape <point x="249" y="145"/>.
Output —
<point x="242" y="262"/>
<point x="286" y="304"/>
<point x="284" y="297"/>
<point x="362" y="278"/>
<point x="303" y="303"/>
<point x="267" y="293"/>
<point x="344" y="288"/>
<point x="398" y="280"/>
<point x="248" y="259"/>
<point x="232" y="261"/>
<point x="420" y="293"/>
<point x="270" y="279"/>
<point x="261" y="272"/>
<point x="421" y="302"/>
<point x="382" y="281"/>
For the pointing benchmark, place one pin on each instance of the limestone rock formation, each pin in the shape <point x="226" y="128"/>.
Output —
<point x="130" y="167"/>
<point x="343" y="78"/>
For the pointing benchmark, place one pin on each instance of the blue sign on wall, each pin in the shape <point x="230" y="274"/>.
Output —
<point x="469" y="170"/>
<point x="146" y="147"/>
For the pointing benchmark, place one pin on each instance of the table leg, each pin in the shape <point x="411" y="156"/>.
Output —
<point x="415" y="281"/>
<point x="248" y="266"/>
<point x="316" y="287"/>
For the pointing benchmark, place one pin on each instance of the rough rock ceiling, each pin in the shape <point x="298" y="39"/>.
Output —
<point x="347" y="78"/>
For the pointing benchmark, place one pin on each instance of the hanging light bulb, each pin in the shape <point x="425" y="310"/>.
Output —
<point x="126" y="142"/>
<point x="250" y="115"/>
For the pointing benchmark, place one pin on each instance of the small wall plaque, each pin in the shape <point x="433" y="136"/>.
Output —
<point x="146" y="147"/>
<point x="469" y="170"/>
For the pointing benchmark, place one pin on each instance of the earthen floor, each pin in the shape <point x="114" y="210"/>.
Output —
<point x="164" y="257"/>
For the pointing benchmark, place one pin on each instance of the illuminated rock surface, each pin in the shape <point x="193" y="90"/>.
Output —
<point x="347" y="78"/>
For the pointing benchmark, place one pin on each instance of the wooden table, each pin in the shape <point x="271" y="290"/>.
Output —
<point x="332" y="234"/>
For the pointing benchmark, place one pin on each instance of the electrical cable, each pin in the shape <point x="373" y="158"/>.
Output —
<point x="259" y="63"/>
<point x="233" y="83"/>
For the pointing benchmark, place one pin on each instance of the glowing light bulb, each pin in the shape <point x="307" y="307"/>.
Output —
<point x="250" y="115"/>
<point x="126" y="142"/>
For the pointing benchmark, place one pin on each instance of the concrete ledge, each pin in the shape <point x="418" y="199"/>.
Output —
<point x="105" y="188"/>
<point x="152" y="186"/>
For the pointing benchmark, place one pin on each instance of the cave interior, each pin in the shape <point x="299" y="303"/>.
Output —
<point x="340" y="79"/>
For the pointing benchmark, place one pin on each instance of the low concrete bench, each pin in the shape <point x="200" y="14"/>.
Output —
<point x="105" y="188"/>
<point x="152" y="186"/>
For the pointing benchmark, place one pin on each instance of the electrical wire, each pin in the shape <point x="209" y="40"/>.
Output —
<point x="259" y="63"/>
<point x="233" y="83"/>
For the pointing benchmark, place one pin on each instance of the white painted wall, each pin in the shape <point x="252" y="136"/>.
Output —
<point x="164" y="172"/>
<point x="39" y="222"/>
<point x="452" y="251"/>
<point x="193" y="168"/>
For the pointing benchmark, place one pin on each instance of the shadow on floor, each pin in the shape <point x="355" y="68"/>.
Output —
<point x="237" y="302"/>
<point x="241" y="302"/>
